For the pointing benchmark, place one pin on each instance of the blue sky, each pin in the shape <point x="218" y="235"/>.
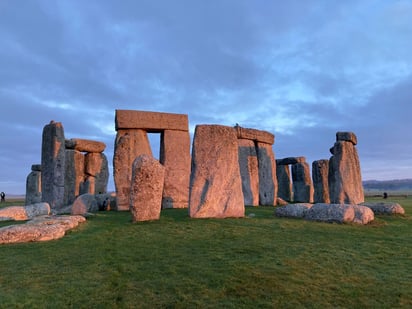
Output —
<point x="302" y="70"/>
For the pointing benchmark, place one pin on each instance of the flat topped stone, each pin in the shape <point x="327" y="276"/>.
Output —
<point x="347" y="137"/>
<point x="255" y="135"/>
<point x="152" y="122"/>
<point x="84" y="145"/>
<point x="290" y="160"/>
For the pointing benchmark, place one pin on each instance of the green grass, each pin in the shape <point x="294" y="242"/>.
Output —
<point x="178" y="262"/>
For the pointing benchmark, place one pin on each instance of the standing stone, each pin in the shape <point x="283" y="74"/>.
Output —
<point x="53" y="165"/>
<point x="302" y="183"/>
<point x="74" y="175"/>
<point x="146" y="188"/>
<point x="268" y="185"/>
<point x="33" y="185"/>
<point x="175" y="157"/>
<point x="249" y="171"/>
<point x="129" y="144"/>
<point x="96" y="167"/>
<point x="345" y="182"/>
<point x="320" y="171"/>
<point x="284" y="182"/>
<point x="215" y="182"/>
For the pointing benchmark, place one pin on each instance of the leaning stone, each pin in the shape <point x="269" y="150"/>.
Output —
<point x="28" y="212"/>
<point x="363" y="214"/>
<point x="146" y="188"/>
<point x="84" y="145"/>
<point x="297" y="210"/>
<point x="347" y="136"/>
<point x="84" y="204"/>
<point x="385" y="208"/>
<point x="339" y="213"/>
<point x="215" y="182"/>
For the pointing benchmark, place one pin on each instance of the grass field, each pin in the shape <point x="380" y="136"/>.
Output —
<point x="260" y="261"/>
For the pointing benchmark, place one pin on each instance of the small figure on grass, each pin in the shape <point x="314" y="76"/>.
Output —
<point x="385" y="195"/>
<point x="3" y="197"/>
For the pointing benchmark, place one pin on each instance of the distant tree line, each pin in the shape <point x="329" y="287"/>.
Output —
<point x="389" y="185"/>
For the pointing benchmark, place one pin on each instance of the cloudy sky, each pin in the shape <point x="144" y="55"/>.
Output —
<point x="302" y="70"/>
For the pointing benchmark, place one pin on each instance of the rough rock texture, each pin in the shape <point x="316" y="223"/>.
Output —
<point x="96" y="167"/>
<point x="268" y="184"/>
<point x="302" y="183"/>
<point x="249" y="171"/>
<point x="363" y="214"/>
<point x="74" y="175"/>
<point x="27" y="212"/>
<point x="175" y="157"/>
<point x="281" y="202"/>
<point x="385" y="208"/>
<point x="150" y="121"/>
<point x="33" y="185"/>
<point x="347" y="136"/>
<point x="84" y="204"/>
<point x="85" y="145"/>
<point x="39" y="229"/>
<point x="320" y="170"/>
<point x="106" y="201"/>
<point x="297" y="210"/>
<point x="146" y="188"/>
<point x="284" y="182"/>
<point x="53" y="165"/>
<point x="339" y="213"/>
<point x="290" y="160"/>
<point x="215" y="182"/>
<point x="255" y="135"/>
<point x="129" y="145"/>
<point x="345" y="183"/>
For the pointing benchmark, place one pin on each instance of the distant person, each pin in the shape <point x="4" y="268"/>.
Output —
<point x="3" y="197"/>
<point x="385" y="195"/>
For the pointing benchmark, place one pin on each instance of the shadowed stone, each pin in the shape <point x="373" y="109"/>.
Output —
<point x="302" y="183"/>
<point x="85" y="145"/>
<point x="129" y="145"/>
<point x="320" y="170"/>
<point x="346" y="136"/>
<point x="53" y="165"/>
<point x="249" y="171"/>
<point x="84" y="204"/>
<point x="215" y="182"/>
<point x="290" y="160"/>
<point x="33" y="185"/>
<point x="146" y="189"/>
<point x="385" y="208"/>
<point x="74" y="175"/>
<point x="97" y="173"/>
<point x="284" y="182"/>
<point x="297" y="210"/>
<point x="268" y="185"/>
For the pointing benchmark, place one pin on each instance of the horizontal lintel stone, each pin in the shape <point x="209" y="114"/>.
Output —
<point x="255" y="135"/>
<point x="85" y="145"/>
<point x="290" y="160"/>
<point x="151" y="122"/>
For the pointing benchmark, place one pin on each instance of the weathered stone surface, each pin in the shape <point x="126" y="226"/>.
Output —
<point x="385" y="208"/>
<point x="268" y="186"/>
<point x="28" y="212"/>
<point x="347" y="136"/>
<point x="339" y="213"/>
<point x="297" y="210"/>
<point x="33" y="188"/>
<point x="150" y="121"/>
<point x="106" y="201"/>
<point x="215" y="182"/>
<point x="97" y="171"/>
<point x="39" y="229"/>
<point x="74" y="175"/>
<point x="281" y="202"/>
<point x="320" y="170"/>
<point x="85" y="145"/>
<point x="302" y="183"/>
<point x="146" y="188"/>
<point x="84" y="204"/>
<point x="255" y="135"/>
<point x="129" y="145"/>
<point x="344" y="178"/>
<point x="36" y="167"/>
<point x="363" y="214"/>
<point x="53" y="165"/>
<point x="290" y="160"/>
<point x="175" y="157"/>
<point x="284" y="182"/>
<point x="249" y="171"/>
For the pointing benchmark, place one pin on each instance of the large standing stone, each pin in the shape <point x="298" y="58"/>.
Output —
<point x="97" y="172"/>
<point x="268" y="186"/>
<point x="53" y="165"/>
<point x="175" y="157"/>
<point x="215" y="182"/>
<point x="74" y="175"/>
<point x="249" y="171"/>
<point x="320" y="170"/>
<point x="129" y="145"/>
<point x="302" y="183"/>
<point x="284" y="182"/>
<point x="146" y="188"/>
<point x="33" y="185"/>
<point x="345" y="182"/>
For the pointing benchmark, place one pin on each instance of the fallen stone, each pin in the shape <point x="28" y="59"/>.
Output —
<point x="332" y="213"/>
<point x="27" y="212"/>
<point x="281" y="202"/>
<point x="363" y="214"/>
<point x="43" y="228"/>
<point x="297" y="210"/>
<point x="84" y="204"/>
<point x="385" y="208"/>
